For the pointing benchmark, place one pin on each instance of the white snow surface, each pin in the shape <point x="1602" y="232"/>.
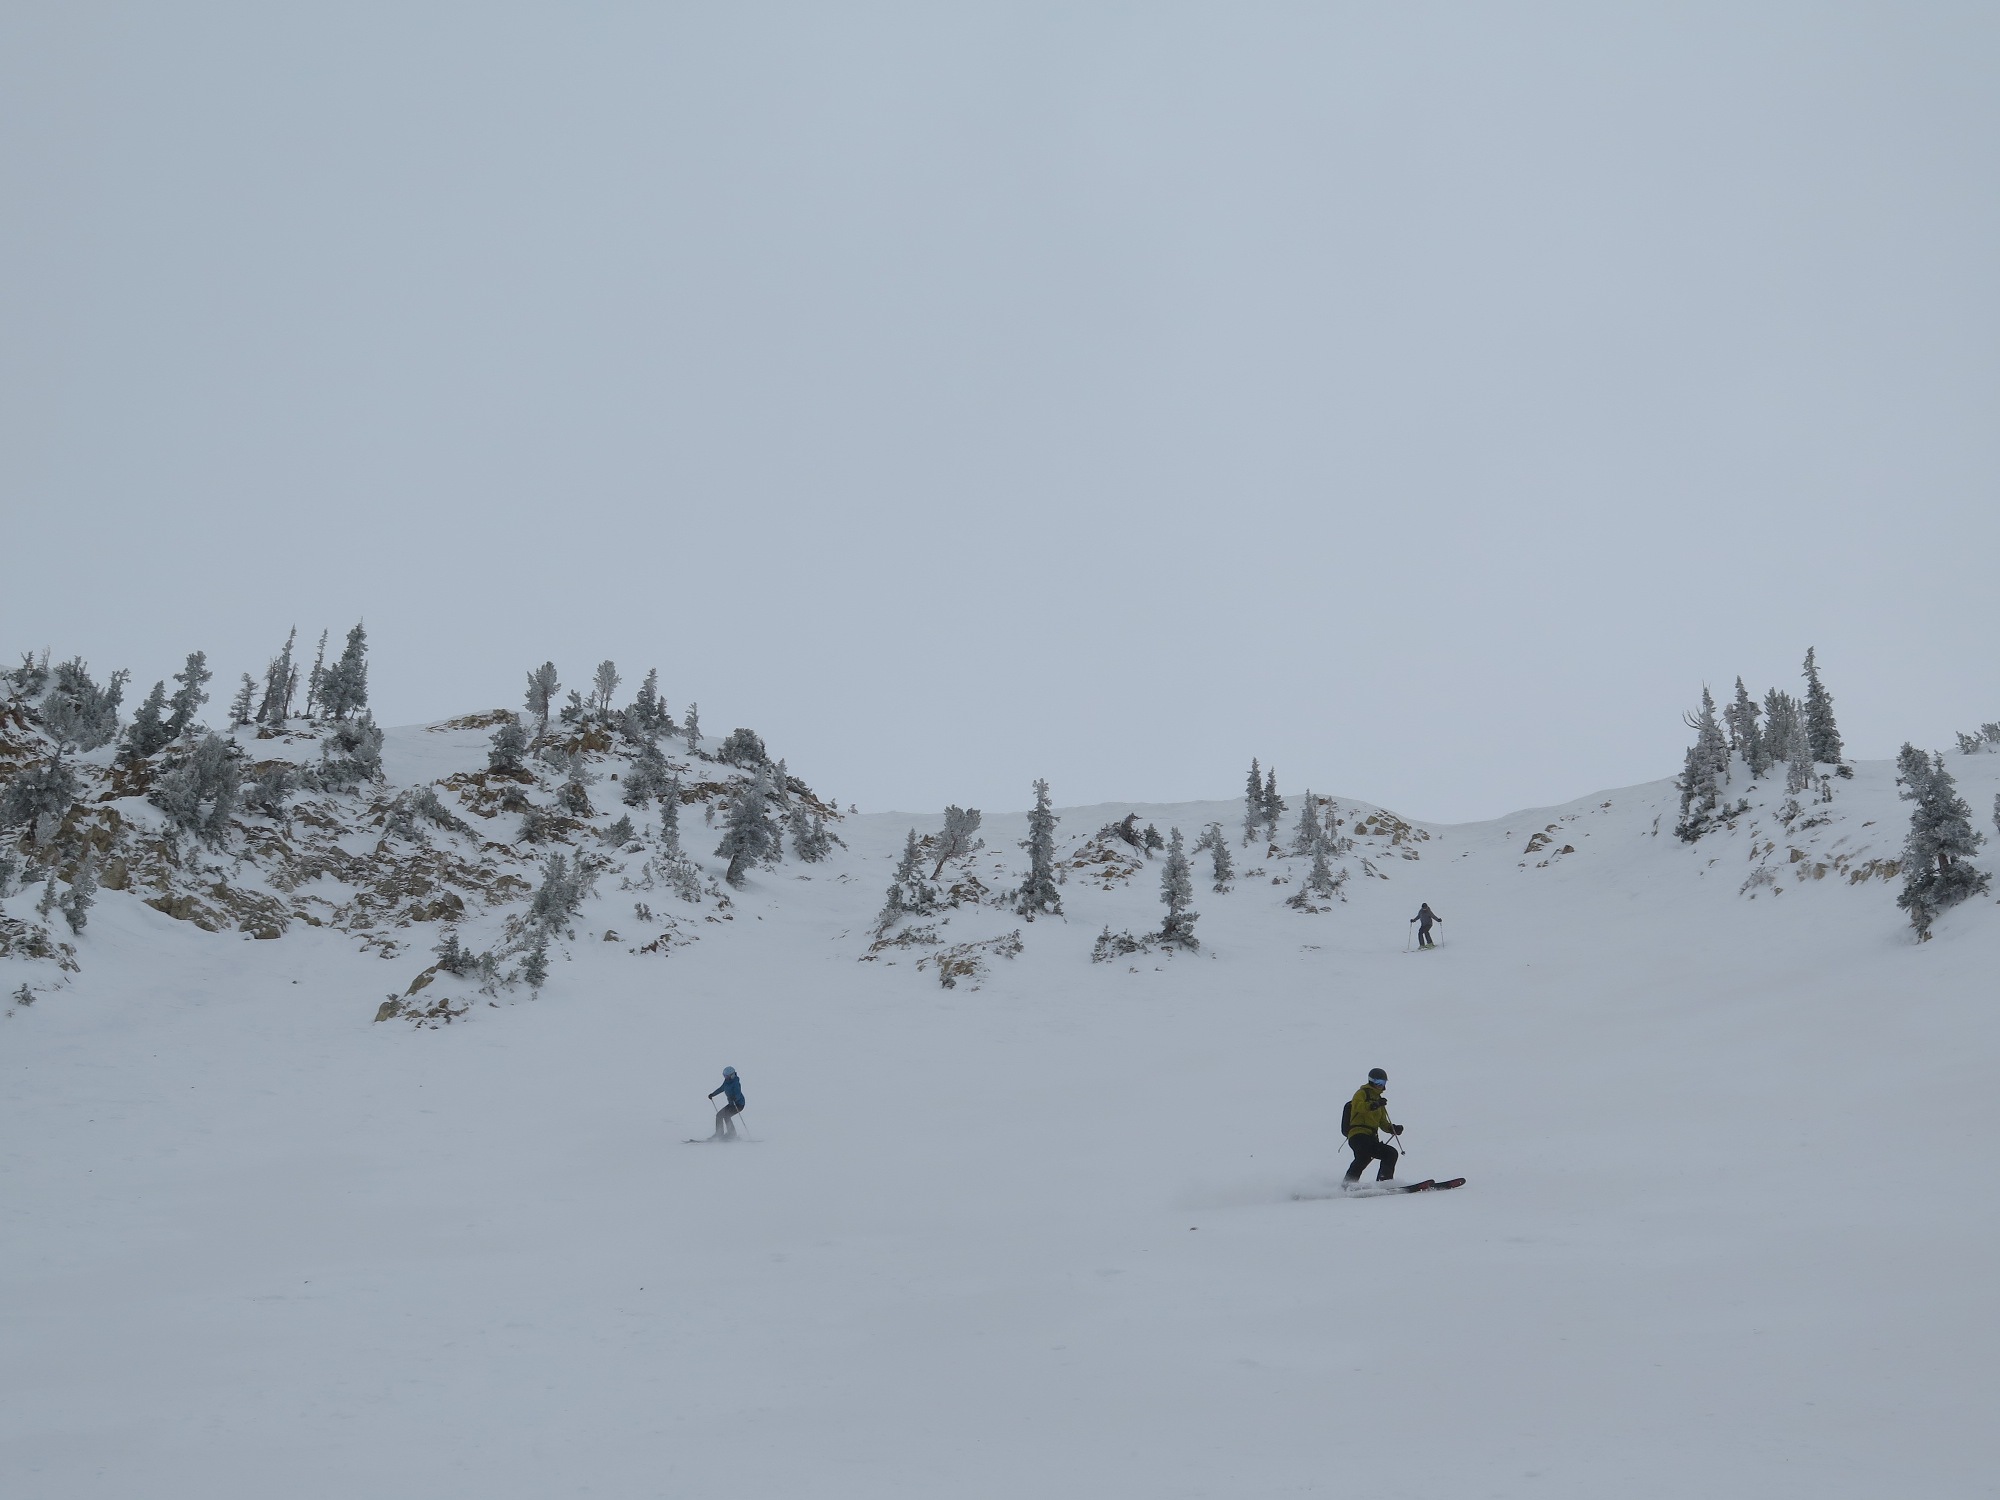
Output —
<point x="1728" y="1229"/>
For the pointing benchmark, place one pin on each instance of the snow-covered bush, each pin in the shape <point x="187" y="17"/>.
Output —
<point x="77" y="711"/>
<point x="198" y="792"/>
<point x="351" y="753"/>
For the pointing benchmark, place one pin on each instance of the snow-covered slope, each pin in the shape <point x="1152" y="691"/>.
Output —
<point x="1057" y="1230"/>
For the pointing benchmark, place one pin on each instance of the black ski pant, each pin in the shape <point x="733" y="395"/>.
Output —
<point x="1424" y="935"/>
<point x="725" y="1121"/>
<point x="1367" y="1148"/>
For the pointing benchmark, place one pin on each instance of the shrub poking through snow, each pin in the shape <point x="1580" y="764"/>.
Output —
<point x="199" y="793"/>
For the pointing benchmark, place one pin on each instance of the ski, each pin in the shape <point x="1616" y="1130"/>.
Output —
<point x="1382" y="1189"/>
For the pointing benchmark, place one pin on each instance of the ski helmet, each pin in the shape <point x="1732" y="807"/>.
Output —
<point x="728" y="1072"/>
<point x="1376" y="1075"/>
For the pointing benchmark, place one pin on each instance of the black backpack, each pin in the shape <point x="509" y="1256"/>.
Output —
<point x="1346" y="1115"/>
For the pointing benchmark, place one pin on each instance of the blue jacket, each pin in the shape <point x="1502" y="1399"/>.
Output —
<point x="733" y="1087"/>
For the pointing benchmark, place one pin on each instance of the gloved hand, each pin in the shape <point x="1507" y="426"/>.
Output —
<point x="1395" y="1130"/>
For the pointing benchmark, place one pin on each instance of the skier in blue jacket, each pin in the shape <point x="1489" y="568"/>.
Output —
<point x="725" y="1118"/>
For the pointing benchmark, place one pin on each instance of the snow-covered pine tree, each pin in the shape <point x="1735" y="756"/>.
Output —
<point x="351" y="753"/>
<point x="510" y="746"/>
<point x="243" y="704"/>
<point x="316" y="679"/>
<point x="1152" y="840"/>
<point x="958" y="838"/>
<point x="199" y="793"/>
<point x="602" y="686"/>
<point x="751" y="835"/>
<point x="648" y="707"/>
<point x="810" y="840"/>
<point x="39" y="798"/>
<point x="647" y="775"/>
<point x="1177" y="891"/>
<point x="79" y="713"/>
<point x="744" y="747"/>
<point x="1996" y="812"/>
<point x="1308" y="834"/>
<point x="1218" y="848"/>
<point x="670" y="817"/>
<point x="1938" y="872"/>
<point x="268" y="792"/>
<point x="543" y="685"/>
<point x="1274" y="805"/>
<point x="1822" y="738"/>
<point x="1798" y="756"/>
<point x="1320" y="879"/>
<point x="1744" y="739"/>
<point x="1038" y="895"/>
<point x="1706" y="769"/>
<point x="1253" y="803"/>
<point x="192" y="693"/>
<point x="577" y="782"/>
<point x="535" y="967"/>
<point x="691" y="729"/>
<point x="911" y="864"/>
<point x="1781" y="712"/>
<point x="344" y="687"/>
<point x="50" y="902"/>
<point x="280" y="680"/>
<point x="148" y="734"/>
<point x="82" y="893"/>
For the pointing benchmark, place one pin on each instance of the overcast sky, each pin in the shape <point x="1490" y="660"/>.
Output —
<point x="1425" y="398"/>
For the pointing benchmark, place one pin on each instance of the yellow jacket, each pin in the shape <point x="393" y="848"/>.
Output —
<point x="1368" y="1113"/>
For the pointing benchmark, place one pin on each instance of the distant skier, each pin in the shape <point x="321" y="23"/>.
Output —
<point x="1366" y="1114"/>
<point x="725" y="1118"/>
<point x="1424" y="917"/>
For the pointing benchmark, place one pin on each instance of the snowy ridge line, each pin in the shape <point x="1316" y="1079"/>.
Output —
<point x="478" y="850"/>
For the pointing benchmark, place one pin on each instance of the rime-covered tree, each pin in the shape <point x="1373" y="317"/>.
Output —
<point x="39" y="798"/>
<point x="1703" y="776"/>
<point x="648" y="775"/>
<point x="510" y="746"/>
<point x="1253" y="803"/>
<point x="1744" y="739"/>
<point x="193" y="692"/>
<point x="281" y="680"/>
<point x="543" y="686"/>
<point x="344" y="686"/>
<point x="535" y="967"/>
<point x="351" y="753"/>
<point x="1177" y="891"/>
<point x="1038" y="894"/>
<point x="959" y="837"/>
<point x="691" y="729"/>
<point x="1320" y="879"/>
<point x="810" y="840"/>
<point x="244" y="703"/>
<point x="1798" y="756"/>
<point x="1218" y="848"/>
<point x="1308" y="835"/>
<point x="1938" y="872"/>
<point x="743" y="748"/>
<point x="148" y="734"/>
<point x="670" y="817"/>
<point x="1822" y="738"/>
<point x="316" y="679"/>
<point x="1781" y="715"/>
<point x="268" y="792"/>
<point x="1274" y="805"/>
<point x="649" y="708"/>
<point x="751" y="835"/>
<point x="82" y="892"/>
<point x="602" y="686"/>
<point x="78" y="712"/>
<point x="1151" y="840"/>
<point x="198" y="793"/>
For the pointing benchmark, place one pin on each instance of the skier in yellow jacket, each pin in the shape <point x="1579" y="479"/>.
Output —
<point x="1367" y="1113"/>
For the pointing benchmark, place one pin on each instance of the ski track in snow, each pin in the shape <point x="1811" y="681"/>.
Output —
<point x="1721" y="1236"/>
